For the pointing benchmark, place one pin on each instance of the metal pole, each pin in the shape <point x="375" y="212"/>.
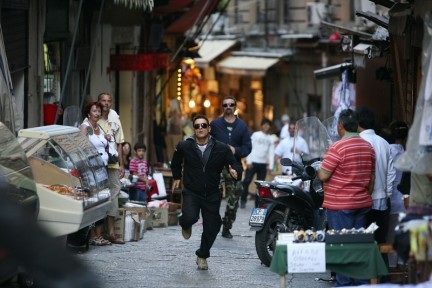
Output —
<point x="91" y="57"/>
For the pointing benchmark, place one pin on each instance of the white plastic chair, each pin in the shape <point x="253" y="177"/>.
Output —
<point x="72" y="116"/>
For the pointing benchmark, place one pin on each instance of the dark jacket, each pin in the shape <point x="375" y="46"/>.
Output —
<point x="239" y="137"/>
<point x="201" y="173"/>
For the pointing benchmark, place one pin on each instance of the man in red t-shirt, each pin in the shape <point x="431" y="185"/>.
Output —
<point x="348" y="173"/>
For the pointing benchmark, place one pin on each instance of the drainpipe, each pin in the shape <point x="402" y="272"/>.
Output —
<point x="266" y="30"/>
<point x="117" y="83"/>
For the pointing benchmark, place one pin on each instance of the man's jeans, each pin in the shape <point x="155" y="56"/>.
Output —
<point x="339" y="219"/>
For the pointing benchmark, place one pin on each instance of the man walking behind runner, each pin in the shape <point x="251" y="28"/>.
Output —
<point x="232" y="131"/>
<point x="200" y="160"/>
<point x="260" y="159"/>
<point x="348" y="173"/>
<point x="385" y="174"/>
<point x="110" y="123"/>
<point x="285" y="149"/>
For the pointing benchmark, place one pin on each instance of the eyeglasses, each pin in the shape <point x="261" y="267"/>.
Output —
<point x="228" y="105"/>
<point x="201" y="125"/>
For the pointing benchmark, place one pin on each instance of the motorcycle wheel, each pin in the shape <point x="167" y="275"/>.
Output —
<point x="265" y="239"/>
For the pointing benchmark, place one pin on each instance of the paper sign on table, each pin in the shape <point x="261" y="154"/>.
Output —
<point x="306" y="257"/>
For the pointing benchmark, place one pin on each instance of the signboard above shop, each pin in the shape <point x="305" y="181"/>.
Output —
<point x="138" y="62"/>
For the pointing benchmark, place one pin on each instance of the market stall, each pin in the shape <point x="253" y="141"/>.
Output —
<point x="71" y="179"/>
<point x="355" y="260"/>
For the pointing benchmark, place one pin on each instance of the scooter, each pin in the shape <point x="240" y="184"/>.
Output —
<point x="292" y="202"/>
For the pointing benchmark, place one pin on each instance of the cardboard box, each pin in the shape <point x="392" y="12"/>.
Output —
<point x="160" y="217"/>
<point x="173" y="207"/>
<point x="127" y="225"/>
<point x="149" y="220"/>
<point x="173" y="217"/>
<point x="119" y="224"/>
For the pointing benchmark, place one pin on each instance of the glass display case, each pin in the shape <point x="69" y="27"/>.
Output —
<point x="71" y="178"/>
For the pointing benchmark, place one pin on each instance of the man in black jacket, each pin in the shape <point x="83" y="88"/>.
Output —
<point x="200" y="160"/>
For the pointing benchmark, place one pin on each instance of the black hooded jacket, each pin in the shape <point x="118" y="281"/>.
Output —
<point x="201" y="172"/>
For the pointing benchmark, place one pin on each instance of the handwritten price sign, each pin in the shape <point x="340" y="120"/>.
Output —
<point x="306" y="257"/>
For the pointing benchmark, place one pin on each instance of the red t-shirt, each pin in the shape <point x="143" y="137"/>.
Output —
<point x="351" y="162"/>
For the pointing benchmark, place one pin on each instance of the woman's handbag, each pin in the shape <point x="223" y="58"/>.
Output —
<point x="111" y="150"/>
<point x="112" y="153"/>
<point x="112" y="159"/>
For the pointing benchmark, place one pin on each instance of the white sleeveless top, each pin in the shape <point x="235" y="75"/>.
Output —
<point x="99" y="142"/>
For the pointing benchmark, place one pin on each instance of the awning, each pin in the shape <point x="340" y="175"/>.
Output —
<point x="244" y="65"/>
<point x="211" y="49"/>
<point x="194" y="16"/>
<point x="377" y="19"/>
<point x="345" y="30"/>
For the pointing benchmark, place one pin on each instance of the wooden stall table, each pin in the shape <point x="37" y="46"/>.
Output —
<point x="355" y="260"/>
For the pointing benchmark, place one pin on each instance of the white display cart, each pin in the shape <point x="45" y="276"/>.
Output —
<point x="62" y="158"/>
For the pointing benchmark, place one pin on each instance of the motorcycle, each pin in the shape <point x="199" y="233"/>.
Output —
<point x="292" y="202"/>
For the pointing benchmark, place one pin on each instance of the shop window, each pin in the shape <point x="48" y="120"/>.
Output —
<point x="52" y="72"/>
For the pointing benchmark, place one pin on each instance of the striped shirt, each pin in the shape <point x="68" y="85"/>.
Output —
<point x="139" y="167"/>
<point x="351" y="162"/>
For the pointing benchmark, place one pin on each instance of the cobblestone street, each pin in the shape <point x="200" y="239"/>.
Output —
<point x="164" y="259"/>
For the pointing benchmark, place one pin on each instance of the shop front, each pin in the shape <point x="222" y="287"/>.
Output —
<point x="252" y="79"/>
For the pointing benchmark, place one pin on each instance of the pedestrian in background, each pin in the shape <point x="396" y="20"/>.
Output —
<point x="111" y="125"/>
<point x="399" y="133"/>
<point x="127" y="155"/>
<point x="199" y="161"/>
<point x="174" y="132"/>
<point x="284" y="131"/>
<point x="385" y="174"/>
<point x="139" y="167"/>
<point x="348" y="172"/>
<point x="233" y="131"/>
<point x="285" y="149"/>
<point x="159" y="133"/>
<point x="260" y="159"/>
<point x="91" y="129"/>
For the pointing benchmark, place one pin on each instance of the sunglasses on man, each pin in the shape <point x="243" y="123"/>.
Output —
<point x="228" y="105"/>
<point x="201" y="125"/>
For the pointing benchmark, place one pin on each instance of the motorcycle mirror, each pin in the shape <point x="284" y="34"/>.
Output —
<point x="310" y="172"/>
<point x="285" y="162"/>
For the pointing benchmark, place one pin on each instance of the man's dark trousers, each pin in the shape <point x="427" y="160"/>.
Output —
<point x="209" y="207"/>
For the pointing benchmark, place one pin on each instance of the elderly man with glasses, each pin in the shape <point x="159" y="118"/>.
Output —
<point x="199" y="160"/>
<point x="234" y="132"/>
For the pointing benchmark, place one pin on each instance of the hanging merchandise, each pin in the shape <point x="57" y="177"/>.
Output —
<point x="343" y="97"/>
<point x="418" y="155"/>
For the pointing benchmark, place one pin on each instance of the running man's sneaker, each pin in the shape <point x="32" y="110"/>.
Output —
<point x="202" y="263"/>
<point x="187" y="233"/>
